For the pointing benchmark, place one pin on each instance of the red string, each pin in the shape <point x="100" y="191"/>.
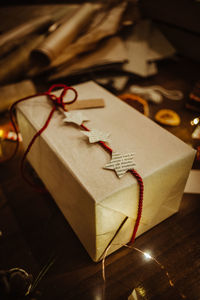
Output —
<point x="140" y="203"/>
<point x="29" y="148"/>
<point x="12" y="118"/>
<point x="59" y="101"/>
<point x="141" y="191"/>
<point x="100" y="142"/>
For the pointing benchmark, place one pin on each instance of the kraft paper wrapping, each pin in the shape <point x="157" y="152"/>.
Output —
<point x="94" y="200"/>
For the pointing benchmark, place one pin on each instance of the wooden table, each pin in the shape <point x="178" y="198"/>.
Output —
<point x="33" y="230"/>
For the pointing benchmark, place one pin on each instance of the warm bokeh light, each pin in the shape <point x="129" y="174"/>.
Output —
<point x="195" y="121"/>
<point x="147" y="255"/>
<point x="1" y="133"/>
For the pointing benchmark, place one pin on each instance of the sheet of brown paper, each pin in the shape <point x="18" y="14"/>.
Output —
<point x="111" y="51"/>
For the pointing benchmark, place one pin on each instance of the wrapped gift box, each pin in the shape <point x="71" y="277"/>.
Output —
<point x="94" y="200"/>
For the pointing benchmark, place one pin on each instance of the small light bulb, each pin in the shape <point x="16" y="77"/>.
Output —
<point x="195" y="121"/>
<point x="147" y="255"/>
<point x="1" y="133"/>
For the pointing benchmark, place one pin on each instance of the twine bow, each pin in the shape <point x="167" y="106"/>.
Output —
<point x="59" y="100"/>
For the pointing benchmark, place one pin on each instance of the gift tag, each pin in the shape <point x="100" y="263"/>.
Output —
<point x="87" y="103"/>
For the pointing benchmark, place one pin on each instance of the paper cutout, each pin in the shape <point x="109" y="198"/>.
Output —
<point x="75" y="117"/>
<point x="145" y="46"/>
<point x="121" y="163"/>
<point x="96" y="136"/>
<point x="196" y="133"/>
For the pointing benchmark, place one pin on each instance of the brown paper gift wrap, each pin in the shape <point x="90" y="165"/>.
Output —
<point x="94" y="200"/>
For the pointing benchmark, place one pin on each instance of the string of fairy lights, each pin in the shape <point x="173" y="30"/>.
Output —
<point x="148" y="257"/>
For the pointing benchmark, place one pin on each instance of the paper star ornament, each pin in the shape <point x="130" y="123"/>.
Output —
<point x="75" y="117"/>
<point x="121" y="163"/>
<point x="96" y="136"/>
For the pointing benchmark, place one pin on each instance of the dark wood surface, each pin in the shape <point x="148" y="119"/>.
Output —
<point x="33" y="230"/>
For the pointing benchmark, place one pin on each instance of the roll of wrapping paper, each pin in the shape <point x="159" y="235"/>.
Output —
<point x="13" y="37"/>
<point x="64" y="35"/>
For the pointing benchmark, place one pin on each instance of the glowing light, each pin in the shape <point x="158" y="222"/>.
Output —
<point x="141" y="291"/>
<point x="147" y="255"/>
<point x="1" y="133"/>
<point x="195" y="121"/>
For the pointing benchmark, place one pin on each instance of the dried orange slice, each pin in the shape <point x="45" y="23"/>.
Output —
<point x="168" y="117"/>
<point x="136" y="102"/>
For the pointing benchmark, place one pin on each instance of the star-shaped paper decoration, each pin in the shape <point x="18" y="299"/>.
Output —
<point x="75" y="117"/>
<point x="121" y="163"/>
<point x="96" y="136"/>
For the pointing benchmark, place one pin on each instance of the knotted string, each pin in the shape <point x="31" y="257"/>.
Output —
<point x="58" y="101"/>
